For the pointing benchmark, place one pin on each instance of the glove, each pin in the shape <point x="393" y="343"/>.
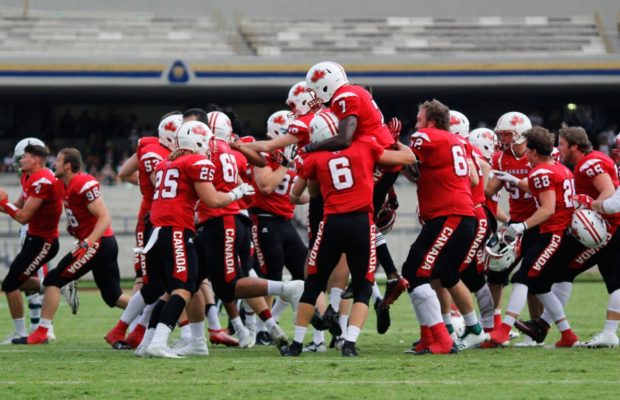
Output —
<point x="244" y="189"/>
<point x="81" y="248"/>
<point x="506" y="177"/>
<point x="395" y="126"/>
<point x="515" y="229"/>
<point x="583" y="200"/>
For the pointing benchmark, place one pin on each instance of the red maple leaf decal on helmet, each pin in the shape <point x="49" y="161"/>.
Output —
<point x="316" y="75"/>
<point x="454" y="120"/>
<point x="279" y="120"/>
<point x="199" y="130"/>
<point x="170" y="126"/>
<point x="516" y="120"/>
<point x="299" y="90"/>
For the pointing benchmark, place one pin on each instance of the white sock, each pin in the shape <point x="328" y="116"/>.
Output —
<point x="213" y="318"/>
<point x="611" y="326"/>
<point x="419" y="316"/>
<point x="270" y="323"/>
<point x="470" y="318"/>
<point x="275" y="288"/>
<point x="250" y="322"/>
<point x="186" y="333"/>
<point x="318" y="337"/>
<point x="148" y="336"/>
<point x="376" y="293"/>
<point x="20" y="326"/>
<point x="260" y="325"/>
<point x="278" y="308"/>
<point x="517" y="301"/>
<point x="344" y="321"/>
<point x="197" y="329"/>
<point x="133" y="324"/>
<point x="45" y="323"/>
<point x="334" y="298"/>
<point x="433" y="308"/>
<point x="300" y="333"/>
<point x="352" y="333"/>
<point x="613" y="304"/>
<point x="447" y="318"/>
<point x="160" y="337"/>
<point x="146" y="315"/>
<point x="552" y="305"/>
<point x="237" y="324"/>
<point x="562" y="290"/>
<point x="134" y="308"/>
<point x="563" y="326"/>
<point x="486" y="306"/>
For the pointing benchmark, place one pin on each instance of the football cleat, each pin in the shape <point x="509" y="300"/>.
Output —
<point x="136" y="336"/>
<point x="435" y="350"/>
<point x="331" y="319"/>
<point x="470" y="339"/>
<point x="39" y="336"/>
<point x="161" y="351"/>
<point x="500" y="336"/>
<point x="195" y="347"/>
<point x="383" y="317"/>
<point x="317" y="321"/>
<point x="536" y="329"/>
<point x="116" y="339"/>
<point x="347" y="293"/>
<point x="222" y="337"/>
<point x="514" y="335"/>
<point x="291" y="350"/>
<point x="315" y="348"/>
<point x="528" y="342"/>
<point x="602" y="339"/>
<point x="179" y="343"/>
<point x="569" y="339"/>
<point x="348" y="349"/>
<point x="246" y="340"/>
<point x="279" y="337"/>
<point x="13" y="337"/>
<point x="292" y="292"/>
<point x="393" y="289"/>
<point x="263" y="338"/>
<point x="69" y="291"/>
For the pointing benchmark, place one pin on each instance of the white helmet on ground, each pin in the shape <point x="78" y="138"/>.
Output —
<point x="300" y="100"/>
<point x="325" y="78"/>
<point x="459" y="124"/>
<point x="514" y="122"/>
<point x="589" y="228"/>
<point x="167" y="130"/>
<point x="278" y="122"/>
<point x="501" y="253"/>
<point x="220" y="125"/>
<point x="323" y="126"/>
<point x="20" y="147"/>
<point x="484" y="140"/>
<point x="194" y="136"/>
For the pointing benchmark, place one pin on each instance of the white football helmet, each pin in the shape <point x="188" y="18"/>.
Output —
<point x="278" y="122"/>
<point x="589" y="228"/>
<point x="459" y="124"/>
<point x="501" y="253"/>
<point x="484" y="140"/>
<point x="514" y="122"/>
<point x="20" y="147"/>
<point x="194" y="136"/>
<point x="300" y="100"/>
<point x="323" y="126"/>
<point x="325" y="78"/>
<point x="220" y="125"/>
<point x="167" y="130"/>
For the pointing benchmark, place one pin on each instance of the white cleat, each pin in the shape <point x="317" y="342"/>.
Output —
<point x="141" y="350"/>
<point x="292" y="292"/>
<point x="50" y="334"/>
<point x="528" y="342"/>
<point x="246" y="339"/>
<point x="161" y="351"/>
<point x="315" y="348"/>
<point x="195" y="347"/>
<point x="9" y="339"/>
<point x="69" y="291"/>
<point x="470" y="340"/>
<point x="514" y="335"/>
<point x="602" y="339"/>
<point x="180" y="343"/>
<point x="279" y="337"/>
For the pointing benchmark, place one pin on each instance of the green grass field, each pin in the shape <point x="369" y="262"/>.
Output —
<point x="81" y="365"/>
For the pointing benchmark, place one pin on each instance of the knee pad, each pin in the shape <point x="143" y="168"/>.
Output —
<point x="362" y="291"/>
<point x="152" y="292"/>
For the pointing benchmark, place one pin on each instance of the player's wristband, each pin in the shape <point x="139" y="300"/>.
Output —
<point x="9" y="208"/>
<point x="309" y="147"/>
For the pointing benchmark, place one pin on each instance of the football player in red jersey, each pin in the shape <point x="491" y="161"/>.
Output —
<point x="447" y="214"/>
<point x="140" y="169"/>
<point x="552" y="185"/>
<point x="595" y="177"/>
<point x="39" y="206"/>
<point x="96" y="249"/>
<point x="346" y="181"/>
<point x="512" y="160"/>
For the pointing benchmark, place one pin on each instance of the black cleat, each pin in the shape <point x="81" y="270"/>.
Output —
<point x="453" y="350"/>
<point x="349" y="350"/>
<point x="292" y="350"/>
<point x="20" y="340"/>
<point x="331" y="319"/>
<point x="264" y="338"/>
<point x="537" y="329"/>
<point x="383" y="318"/>
<point x="317" y="321"/>
<point x="121" y="346"/>
<point x="347" y="293"/>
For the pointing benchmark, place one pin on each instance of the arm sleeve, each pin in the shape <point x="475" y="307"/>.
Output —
<point x="612" y="204"/>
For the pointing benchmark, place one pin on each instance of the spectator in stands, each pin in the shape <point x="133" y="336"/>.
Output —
<point x="67" y="125"/>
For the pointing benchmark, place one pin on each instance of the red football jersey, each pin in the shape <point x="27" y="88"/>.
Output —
<point x="590" y="166"/>
<point x="300" y="128"/>
<point x="83" y="189"/>
<point x="346" y="176"/>
<point x="175" y="198"/>
<point x="556" y="177"/>
<point x="224" y="180"/>
<point x="148" y="157"/>
<point x="521" y="204"/>
<point x="477" y="192"/>
<point x="355" y="100"/>
<point x="42" y="185"/>
<point x="245" y="173"/>
<point x="444" y="187"/>
<point x="277" y="202"/>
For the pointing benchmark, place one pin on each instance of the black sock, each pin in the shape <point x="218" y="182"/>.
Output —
<point x="385" y="259"/>
<point x="156" y="313"/>
<point x="172" y="311"/>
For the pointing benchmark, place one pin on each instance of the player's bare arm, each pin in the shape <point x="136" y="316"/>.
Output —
<point x="402" y="156"/>
<point x="346" y="129"/>
<point x="268" y="179"/>
<point x="99" y="210"/>
<point x="129" y="170"/>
